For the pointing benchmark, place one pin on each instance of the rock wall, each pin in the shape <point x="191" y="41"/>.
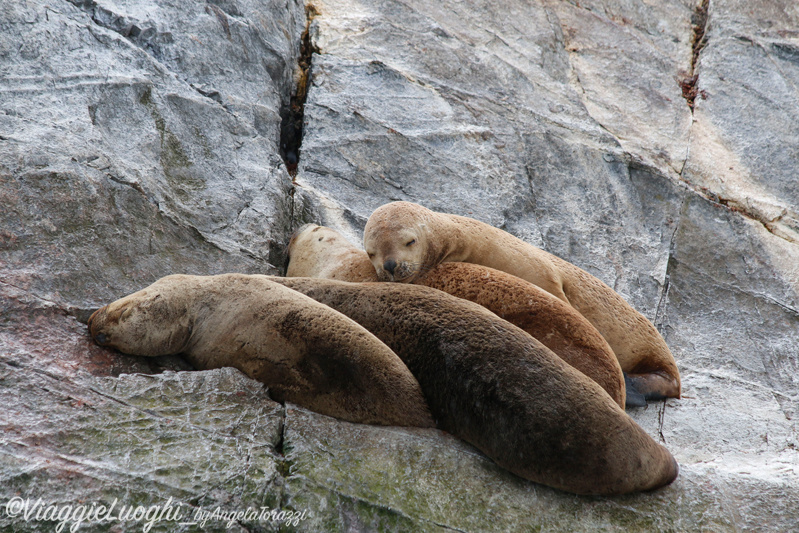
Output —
<point x="652" y="143"/>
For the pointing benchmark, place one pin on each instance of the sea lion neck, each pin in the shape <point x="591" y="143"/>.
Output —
<point x="461" y="244"/>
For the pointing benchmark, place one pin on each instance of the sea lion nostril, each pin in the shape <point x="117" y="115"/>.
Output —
<point x="389" y="266"/>
<point x="100" y="338"/>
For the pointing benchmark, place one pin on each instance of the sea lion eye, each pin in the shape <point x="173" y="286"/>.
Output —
<point x="371" y="256"/>
<point x="412" y="241"/>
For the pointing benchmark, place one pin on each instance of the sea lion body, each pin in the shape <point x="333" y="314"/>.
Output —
<point x="555" y="324"/>
<point x="493" y="385"/>
<point x="305" y="352"/>
<point x="404" y="239"/>
<point x="321" y="252"/>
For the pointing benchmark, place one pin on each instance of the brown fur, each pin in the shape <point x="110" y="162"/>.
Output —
<point x="493" y="385"/>
<point x="320" y="252"/>
<point x="417" y="239"/>
<point x="305" y="352"/>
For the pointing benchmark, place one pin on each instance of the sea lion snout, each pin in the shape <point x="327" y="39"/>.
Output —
<point x="95" y="324"/>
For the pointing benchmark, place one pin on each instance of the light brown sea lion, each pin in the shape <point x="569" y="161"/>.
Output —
<point x="493" y="385"/>
<point x="404" y="239"/>
<point x="305" y="352"/>
<point x="321" y="252"/>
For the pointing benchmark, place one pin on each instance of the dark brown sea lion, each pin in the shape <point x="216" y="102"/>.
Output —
<point x="495" y="386"/>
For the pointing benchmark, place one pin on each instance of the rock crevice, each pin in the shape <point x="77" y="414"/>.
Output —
<point x="688" y="81"/>
<point x="293" y="117"/>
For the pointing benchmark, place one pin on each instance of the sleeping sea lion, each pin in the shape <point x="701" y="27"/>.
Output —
<point x="305" y="352"/>
<point x="321" y="252"/>
<point x="404" y="239"/>
<point x="495" y="386"/>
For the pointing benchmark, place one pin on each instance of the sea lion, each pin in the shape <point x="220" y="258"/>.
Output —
<point x="305" y="352"/>
<point x="404" y="239"/>
<point x="493" y="385"/>
<point x="321" y="252"/>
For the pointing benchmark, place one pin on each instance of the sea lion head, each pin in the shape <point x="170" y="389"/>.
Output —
<point x="322" y="252"/>
<point x="396" y="238"/>
<point x="128" y="324"/>
<point x="305" y="250"/>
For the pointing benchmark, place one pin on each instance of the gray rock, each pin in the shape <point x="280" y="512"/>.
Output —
<point x="745" y="141"/>
<point x="116" y="167"/>
<point x="612" y="170"/>
<point x="625" y="59"/>
<point x="136" y="140"/>
<point x="509" y="123"/>
<point x="190" y="440"/>
<point x="396" y="479"/>
<point x="143" y="138"/>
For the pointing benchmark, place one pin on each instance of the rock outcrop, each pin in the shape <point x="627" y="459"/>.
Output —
<point x="652" y="144"/>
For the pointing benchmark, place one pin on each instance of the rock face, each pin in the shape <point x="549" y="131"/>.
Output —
<point x="141" y="138"/>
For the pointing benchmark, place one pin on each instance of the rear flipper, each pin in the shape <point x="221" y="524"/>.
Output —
<point x="649" y="387"/>
<point x="634" y="398"/>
